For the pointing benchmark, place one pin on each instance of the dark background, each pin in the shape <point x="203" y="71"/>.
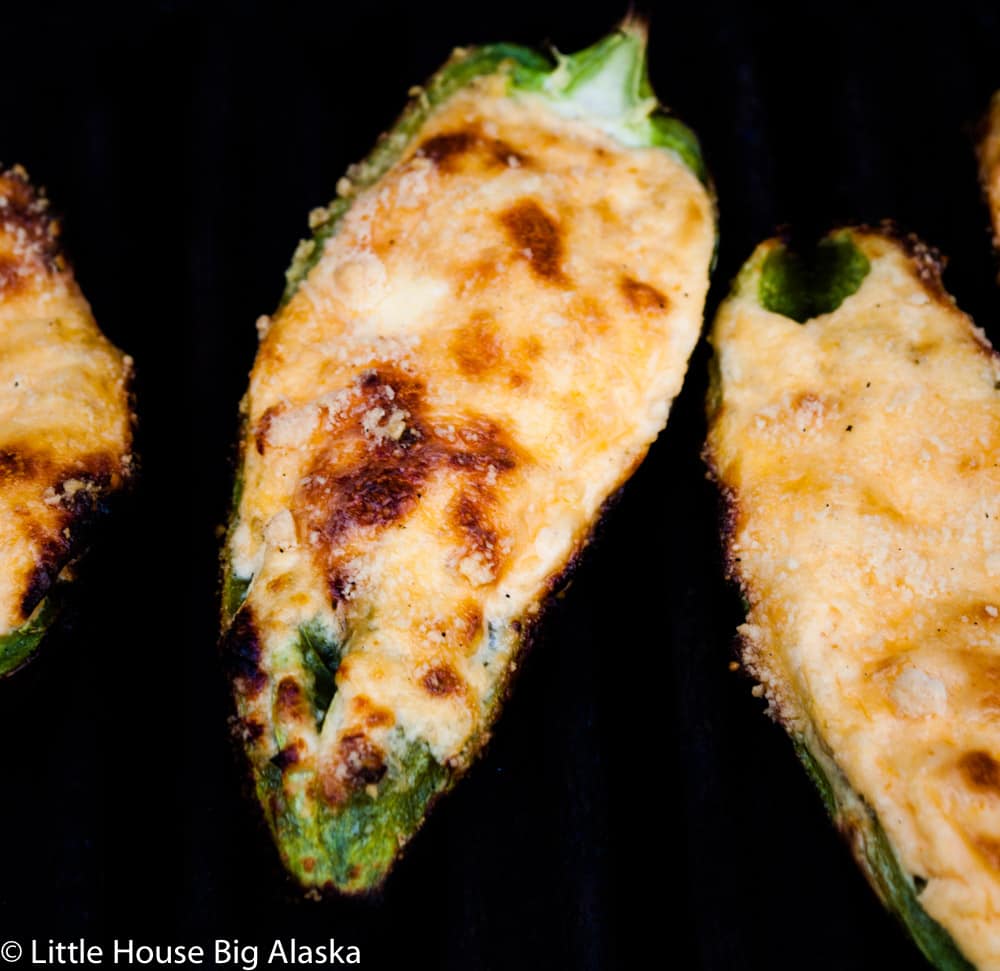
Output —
<point x="634" y="805"/>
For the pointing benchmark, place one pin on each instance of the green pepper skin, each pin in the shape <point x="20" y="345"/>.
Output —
<point x="19" y="646"/>
<point x="871" y="848"/>
<point x="802" y="286"/>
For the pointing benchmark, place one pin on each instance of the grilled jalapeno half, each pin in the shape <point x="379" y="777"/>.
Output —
<point x="65" y="419"/>
<point x="475" y="350"/>
<point x="855" y="435"/>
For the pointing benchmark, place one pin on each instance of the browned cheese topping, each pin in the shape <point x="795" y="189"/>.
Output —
<point x="65" y="423"/>
<point x="861" y="455"/>
<point x="484" y="352"/>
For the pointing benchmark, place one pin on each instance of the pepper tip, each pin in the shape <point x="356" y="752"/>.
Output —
<point x="635" y="26"/>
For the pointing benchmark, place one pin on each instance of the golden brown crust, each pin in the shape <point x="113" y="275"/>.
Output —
<point x="28" y="233"/>
<point x="437" y="415"/>
<point x="981" y="771"/>
<point x="536" y="237"/>
<point x="459" y="150"/>
<point x="858" y="454"/>
<point x="367" y="477"/>
<point x="65" y="409"/>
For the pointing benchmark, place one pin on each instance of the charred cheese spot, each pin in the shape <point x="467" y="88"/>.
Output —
<point x="730" y="521"/>
<point x="359" y="762"/>
<point x="264" y="426"/>
<point x="472" y="517"/>
<point x="251" y="730"/>
<point x="560" y="580"/>
<point x="57" y="507"/>
<point x="288" y="756"/>
<point x="241" y="654"/>
<point x="372" y="715"/>
<point x="376" y="494"/>
<point x="49" y="561"/>
<point x="535" y="237"/>
<point x="442" y="149"/>
<point x="482" y="446"/>
<point x="380" y="487"/>
<point x="981" y="771"/>
<point x="454" y="151"/>
<point x="18" y="462"/>
<point x="643" y="296"/>
<point x="441" y="681"/>
<point x="290" y="700"/>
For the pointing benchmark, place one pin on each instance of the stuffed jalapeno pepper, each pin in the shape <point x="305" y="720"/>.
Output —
<point x="65" y="419"/>
<point x="474" y="351"/>
<point x="855" y="434"/>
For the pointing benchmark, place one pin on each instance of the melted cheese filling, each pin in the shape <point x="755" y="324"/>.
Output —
<point x="65" y="427"/>
<point x="863" y="454"/>
<point x="491" y="341"/>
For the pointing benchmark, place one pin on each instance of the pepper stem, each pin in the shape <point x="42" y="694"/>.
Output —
<point x="608" y="81"/>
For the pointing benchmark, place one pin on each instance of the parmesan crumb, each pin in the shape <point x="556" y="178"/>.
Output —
<point x="476" y="569"/>
<point x="304" y="250"/>
<point x="370" y="422"/>
<point x="280" y="531"/>
<point x="292" y="429"/>
<point x="916" y="694"/>
<point x="318" y="216"/>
